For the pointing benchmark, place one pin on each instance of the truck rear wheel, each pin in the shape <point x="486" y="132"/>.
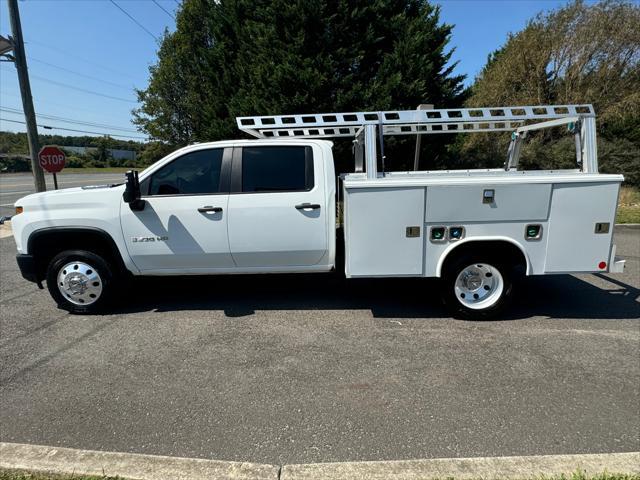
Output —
<point x="80" y="281"/>
<point x="477" y="287"/>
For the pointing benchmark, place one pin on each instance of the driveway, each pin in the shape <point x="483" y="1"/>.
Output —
<point x="297" y="369"/>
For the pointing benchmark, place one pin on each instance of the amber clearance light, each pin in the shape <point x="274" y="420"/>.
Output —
<point x="18" y="210"/>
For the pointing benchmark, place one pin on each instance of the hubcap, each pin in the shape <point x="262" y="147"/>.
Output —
<point x="79" y="283"/>
<point x="479" y="286"/>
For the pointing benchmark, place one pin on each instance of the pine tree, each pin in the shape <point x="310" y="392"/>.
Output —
<point x="239" y="57"/>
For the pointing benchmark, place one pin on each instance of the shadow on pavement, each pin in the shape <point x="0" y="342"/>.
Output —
<point x="559" y="296"/>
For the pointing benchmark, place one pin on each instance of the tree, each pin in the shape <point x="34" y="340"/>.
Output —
<point x="101" y="155"/>
<point x="229" y="58"/>
<point x="577" y="54"/>
<point x="154" y="151"/>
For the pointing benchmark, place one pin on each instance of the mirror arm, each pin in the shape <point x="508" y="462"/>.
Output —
<point x="132" y="192"/>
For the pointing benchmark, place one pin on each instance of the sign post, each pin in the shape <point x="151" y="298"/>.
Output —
<point x="52" y="159"/>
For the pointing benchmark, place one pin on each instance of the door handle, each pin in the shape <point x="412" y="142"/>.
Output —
<point x="310" y="206"/>
<point x="209" y="208"/>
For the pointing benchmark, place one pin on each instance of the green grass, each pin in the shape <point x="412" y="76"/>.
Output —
<point x="578" y="475"/>
<point x="629" y="205"/>
<point x="628" y="214"/>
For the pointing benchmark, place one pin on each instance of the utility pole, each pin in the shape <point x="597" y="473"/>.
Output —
<point x="20" y="60"/>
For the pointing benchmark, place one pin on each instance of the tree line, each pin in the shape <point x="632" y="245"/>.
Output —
<point x="14" y="151"/>
<point x="231" y="58"/>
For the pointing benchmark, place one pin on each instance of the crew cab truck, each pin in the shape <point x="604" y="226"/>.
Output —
<point x="268" y="205"/>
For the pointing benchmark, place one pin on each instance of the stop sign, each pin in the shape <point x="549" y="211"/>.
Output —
<point x="51" y="158"/>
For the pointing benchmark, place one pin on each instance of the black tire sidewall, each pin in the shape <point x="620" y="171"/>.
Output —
<point x="90" y="258"/>
<point x="456" y="307"/>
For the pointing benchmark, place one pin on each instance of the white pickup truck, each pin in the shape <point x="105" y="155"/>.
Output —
<point x="270" y="206"/>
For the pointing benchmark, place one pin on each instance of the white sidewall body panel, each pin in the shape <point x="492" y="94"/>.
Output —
<point x="573" y="245"/>
<point x="376" y="242"/>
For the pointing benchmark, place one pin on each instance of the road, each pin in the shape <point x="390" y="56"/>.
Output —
<point x="289" y="369"/>
<point x="16" y="185"/>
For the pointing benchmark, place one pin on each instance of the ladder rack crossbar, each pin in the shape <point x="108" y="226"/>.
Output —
<point x="409" y="129"/>
<point x="406" y="121"/>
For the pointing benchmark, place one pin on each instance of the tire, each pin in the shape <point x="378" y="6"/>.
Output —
<point x="477" y="286"/>
<point x="80" y="281"/>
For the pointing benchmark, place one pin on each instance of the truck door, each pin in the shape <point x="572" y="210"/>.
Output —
<point x="277" y="207"/>
<point x="183" y="227"/>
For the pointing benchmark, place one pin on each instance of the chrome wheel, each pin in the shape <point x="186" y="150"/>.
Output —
<point x="478" y="286"/>
<point x="79" y="283"/>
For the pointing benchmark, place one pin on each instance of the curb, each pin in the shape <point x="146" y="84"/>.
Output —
<point x="469" y="468"/>
<point x="133" y="466"/>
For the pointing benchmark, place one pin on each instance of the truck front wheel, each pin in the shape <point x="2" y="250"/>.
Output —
<point x="477" y="287"/>
<point x="80" y="281"/>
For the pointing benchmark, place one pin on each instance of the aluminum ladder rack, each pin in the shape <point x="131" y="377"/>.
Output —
<point x="364" y="127"/>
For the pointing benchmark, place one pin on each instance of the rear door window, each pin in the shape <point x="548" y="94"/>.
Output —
<point x="277" y="169"/>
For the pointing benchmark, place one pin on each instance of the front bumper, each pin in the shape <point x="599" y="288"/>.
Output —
<point x="27" y="266"/>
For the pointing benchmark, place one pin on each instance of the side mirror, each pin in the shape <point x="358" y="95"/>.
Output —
<point x="132" y="191"/>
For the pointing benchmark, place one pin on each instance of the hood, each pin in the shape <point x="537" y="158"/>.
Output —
<point x="70" y="197"/>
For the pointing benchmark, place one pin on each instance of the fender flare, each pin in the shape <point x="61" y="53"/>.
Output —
<point x="466" y="241"/>
<point x="106" y="236"/>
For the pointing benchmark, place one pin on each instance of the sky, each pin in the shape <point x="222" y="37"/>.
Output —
<point x="85" y="57"/>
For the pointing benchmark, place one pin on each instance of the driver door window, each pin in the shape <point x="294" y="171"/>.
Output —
<point x="195" y="173"/>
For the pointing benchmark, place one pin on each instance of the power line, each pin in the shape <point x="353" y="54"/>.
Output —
<point x="74" y="130"/>
<point x="80" y="74"/>
<point x="73" y="87"/>
<point x="134" y="20"/>
<point x="49" y="102"/>
<point x="83" y="90"/>
<point x="163" y="9"/>
<point x="89" y="62"/>
<point x="70" y="120"/>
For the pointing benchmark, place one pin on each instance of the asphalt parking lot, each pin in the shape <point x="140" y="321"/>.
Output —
<point x="297" y="369"/>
